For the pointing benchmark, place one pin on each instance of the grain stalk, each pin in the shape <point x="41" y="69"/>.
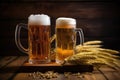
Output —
<point x="91" y="53"/>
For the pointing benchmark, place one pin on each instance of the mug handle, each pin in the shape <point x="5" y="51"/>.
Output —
<point x="81" y="35"/>
<point x="17" y="37"/>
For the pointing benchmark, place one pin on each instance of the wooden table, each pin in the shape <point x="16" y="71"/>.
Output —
<point x="13" y="68"/>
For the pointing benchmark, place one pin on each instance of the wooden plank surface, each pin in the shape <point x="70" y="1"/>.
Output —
<point x="10" y="68"/>
<point x="107" y="74"/>
<point x="6" y="60"/>
<point x="80" y="9"/>
<point x="110" y="74"/>
<point x="11" y="71"/>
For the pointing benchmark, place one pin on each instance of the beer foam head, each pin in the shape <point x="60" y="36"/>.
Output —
<point x="39" y="19"/>
<point x="64" y="22"/>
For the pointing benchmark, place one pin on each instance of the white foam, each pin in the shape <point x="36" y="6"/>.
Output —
<point x="64" y="22"/>
<point x="39" y="19"/>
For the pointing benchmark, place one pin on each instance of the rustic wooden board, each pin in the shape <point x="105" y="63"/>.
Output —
<point x="55" y="67"/>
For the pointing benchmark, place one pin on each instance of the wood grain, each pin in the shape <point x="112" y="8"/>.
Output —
<point x="6" y="60"/>
<point x="10" y="69"/>
<point x="110" y="74"/>
<point x="99" y="20"/>
<point x="107" y="74"/>
<point x="55" y="67"/>
<point x="69" y="9"/>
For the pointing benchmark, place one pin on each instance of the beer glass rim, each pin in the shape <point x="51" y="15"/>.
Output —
<point x="39" y="19"/>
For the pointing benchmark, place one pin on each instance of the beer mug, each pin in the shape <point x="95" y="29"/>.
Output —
<point x="66" y="38"/>
<point x="38" y="38"/>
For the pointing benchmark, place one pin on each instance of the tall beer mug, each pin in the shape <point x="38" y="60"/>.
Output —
<point x="38" y="38"/>
<point x="66" y="38"/>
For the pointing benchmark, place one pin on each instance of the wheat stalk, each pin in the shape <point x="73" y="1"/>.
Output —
<point x="93" y="42"/>
<point x="91" y="53"/>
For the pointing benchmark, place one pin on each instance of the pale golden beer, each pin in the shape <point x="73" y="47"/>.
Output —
<point x="39" y="39"/>
<point x="65" y="38"/>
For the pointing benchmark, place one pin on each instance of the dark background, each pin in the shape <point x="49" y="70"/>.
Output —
<point x="98" y="19"/>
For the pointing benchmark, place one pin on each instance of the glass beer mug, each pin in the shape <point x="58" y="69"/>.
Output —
<point x="66" y="38"/>
<point x="38" y="38"/>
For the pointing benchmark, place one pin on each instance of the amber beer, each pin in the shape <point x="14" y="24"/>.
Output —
<point x="65" y="38"/>
<point x="39" y="38"/>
